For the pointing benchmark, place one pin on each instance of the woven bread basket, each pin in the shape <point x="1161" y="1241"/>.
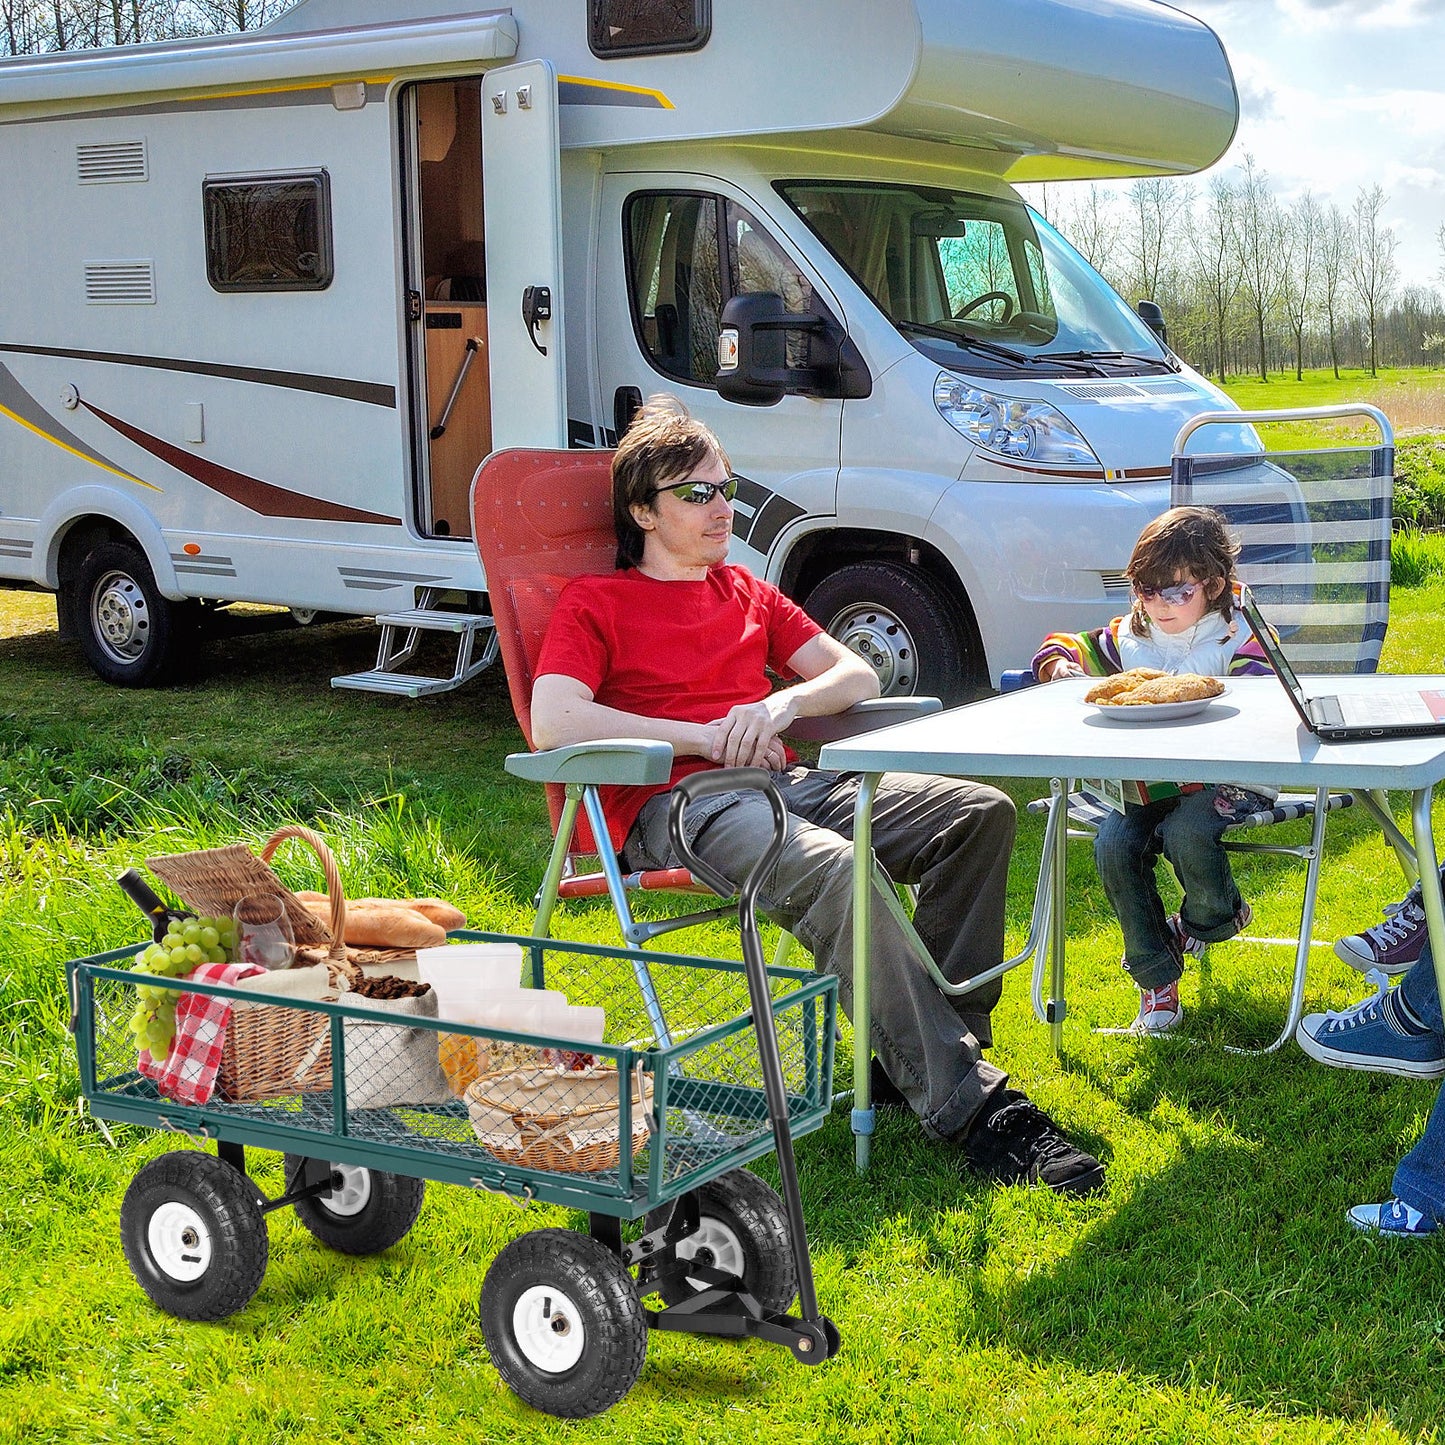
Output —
<point x="566" y="1122"/>
<point x="270" y="1051"/>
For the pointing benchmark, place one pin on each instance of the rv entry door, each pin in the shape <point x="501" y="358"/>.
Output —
<point x="521" y="184"/>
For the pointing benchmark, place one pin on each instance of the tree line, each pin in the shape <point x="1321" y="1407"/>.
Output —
<point x="33" y="27"/>
<point x="1251" y="283"/>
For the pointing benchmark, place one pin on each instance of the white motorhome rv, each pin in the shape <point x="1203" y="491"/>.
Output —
<point x="267" y="301"/>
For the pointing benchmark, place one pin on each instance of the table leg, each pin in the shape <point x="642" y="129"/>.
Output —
<point x="1058" y="887"/>
<point x="1429" y="880"/>
<point x="863" y="1112"/>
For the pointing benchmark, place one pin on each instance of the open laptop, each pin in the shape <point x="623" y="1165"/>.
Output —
<point x="1349" y="716"/>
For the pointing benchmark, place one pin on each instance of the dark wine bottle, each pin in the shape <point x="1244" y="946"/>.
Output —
<point x="161" y="915"/>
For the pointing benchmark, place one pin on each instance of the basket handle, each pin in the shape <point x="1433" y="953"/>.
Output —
<point x="337" y="952"/>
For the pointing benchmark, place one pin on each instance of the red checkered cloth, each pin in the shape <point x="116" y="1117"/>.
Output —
<point x="188" y="1073"/>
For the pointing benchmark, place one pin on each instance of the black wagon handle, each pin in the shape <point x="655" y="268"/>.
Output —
<point x="820" y="1341"/>
<point x="728" y="780"/>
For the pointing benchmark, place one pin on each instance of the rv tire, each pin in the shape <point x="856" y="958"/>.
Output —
<point x="128" y="632"/>
<point x="903" y="623"/>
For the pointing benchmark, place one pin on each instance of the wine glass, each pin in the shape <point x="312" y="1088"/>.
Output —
<point x="263" y="931"/>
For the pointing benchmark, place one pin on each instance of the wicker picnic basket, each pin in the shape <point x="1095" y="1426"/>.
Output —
<point x="270" y="1051"/>
<point x="545" y="1118"/>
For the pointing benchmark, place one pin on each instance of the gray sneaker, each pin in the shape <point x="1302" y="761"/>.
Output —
<point x="1391" y="946"/>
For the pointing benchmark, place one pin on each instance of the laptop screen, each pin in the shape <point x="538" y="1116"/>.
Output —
<point x="1274" y="653"/>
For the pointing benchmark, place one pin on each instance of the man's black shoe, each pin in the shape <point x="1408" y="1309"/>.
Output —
<point x="1015" y="1142"/>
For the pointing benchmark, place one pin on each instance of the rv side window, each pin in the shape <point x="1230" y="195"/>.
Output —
<point x="677" y="283"/>
<point x="647" y="27"/>
<point x="268" y="233"/>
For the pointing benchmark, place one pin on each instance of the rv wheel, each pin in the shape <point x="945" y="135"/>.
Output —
<point x="126" y="629"/>
<point x="904" y="625"/>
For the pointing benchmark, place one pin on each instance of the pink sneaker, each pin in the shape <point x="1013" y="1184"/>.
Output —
<point x="1159" y="1010"/>
<point x="1195" y="947"/>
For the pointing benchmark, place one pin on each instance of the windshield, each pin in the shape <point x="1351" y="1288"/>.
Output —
<point x="977" y="283"/>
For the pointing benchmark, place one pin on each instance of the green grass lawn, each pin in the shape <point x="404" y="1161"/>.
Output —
<point x="1213" y="1293"/>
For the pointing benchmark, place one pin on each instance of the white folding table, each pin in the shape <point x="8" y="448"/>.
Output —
<point x="1250" y="735"/>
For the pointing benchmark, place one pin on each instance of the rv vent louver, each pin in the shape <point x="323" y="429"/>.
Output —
<point x="119" y="283"/>
<point x="103" y="161"/>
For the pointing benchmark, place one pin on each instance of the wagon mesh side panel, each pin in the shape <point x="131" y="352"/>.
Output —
<point x="465" y="1095"/>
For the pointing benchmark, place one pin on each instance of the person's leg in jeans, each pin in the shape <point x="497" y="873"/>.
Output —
<point x="950" y="837"/>
<point x="1191" y="834"/>
<point x="1126" y="850"/>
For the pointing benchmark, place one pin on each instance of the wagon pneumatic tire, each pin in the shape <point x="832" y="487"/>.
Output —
<point x="129" y="633"/>
<point x="903" y="624"/>
<point x="743" y="1229"/>
<point x="366" y="1210"/>
<point x="563" y="1323"/>
<point x="194" y="1235"/>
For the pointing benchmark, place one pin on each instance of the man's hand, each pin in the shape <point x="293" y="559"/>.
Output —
<point x="748" y="736"/>
<point x="1057" y="667"/>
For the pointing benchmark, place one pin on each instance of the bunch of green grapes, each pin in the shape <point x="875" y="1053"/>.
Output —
<point x="189" y="943"/>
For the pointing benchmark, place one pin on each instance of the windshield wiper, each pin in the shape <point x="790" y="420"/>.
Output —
<point x="994" y="348"/>
<point x="1167" y="362"/>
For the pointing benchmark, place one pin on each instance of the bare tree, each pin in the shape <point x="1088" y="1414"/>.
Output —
<point x="220" y="16"/>
<point x="1258" y="242"/>
<point x="1148" y="237"/>
<point x="1372" y="265"/>
<point x="1215" y="257"/>
<point x="1300" y="278"/>
<point x="1336" y="247"/>
<point x="1092" y="226"/>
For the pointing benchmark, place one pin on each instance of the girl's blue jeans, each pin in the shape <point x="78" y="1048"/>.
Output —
<point x="1420" y="1175"/>
<point x="1187" y="831"/>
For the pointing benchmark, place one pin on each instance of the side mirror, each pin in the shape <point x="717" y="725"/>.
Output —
<point x="1153" y="317"/>
<point x="752" y="352"/>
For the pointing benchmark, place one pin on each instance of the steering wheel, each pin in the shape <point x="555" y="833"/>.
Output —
<point x="970" y="307"/>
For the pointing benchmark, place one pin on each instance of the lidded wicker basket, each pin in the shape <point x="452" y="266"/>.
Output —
<point x="270" y="1051"/>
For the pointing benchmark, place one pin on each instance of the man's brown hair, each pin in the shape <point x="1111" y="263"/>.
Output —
<point x="663" y="444"/>
<point x="1191" y="540"/>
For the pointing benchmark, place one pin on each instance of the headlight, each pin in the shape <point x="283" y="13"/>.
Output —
<point x="1029" y="430"/>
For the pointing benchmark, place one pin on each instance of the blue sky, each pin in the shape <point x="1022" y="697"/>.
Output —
<point x="1336" y="94"/>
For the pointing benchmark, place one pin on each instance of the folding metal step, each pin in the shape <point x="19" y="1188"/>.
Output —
<point x="401" y="635"/>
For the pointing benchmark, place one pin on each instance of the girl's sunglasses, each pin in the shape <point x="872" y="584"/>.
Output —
<point x="1180" y="595"/>
<point x="699" y="493"/>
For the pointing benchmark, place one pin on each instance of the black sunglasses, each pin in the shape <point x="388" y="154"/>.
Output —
<point x="699" y="493"/>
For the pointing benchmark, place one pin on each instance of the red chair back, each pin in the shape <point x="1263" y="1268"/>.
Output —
<point x="540" y="518"/>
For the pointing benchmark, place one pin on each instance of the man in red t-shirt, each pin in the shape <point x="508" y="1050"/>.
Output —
<point x="676" y="645"/>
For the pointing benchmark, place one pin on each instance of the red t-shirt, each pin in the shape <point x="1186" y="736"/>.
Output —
<point x="687" y="651"/>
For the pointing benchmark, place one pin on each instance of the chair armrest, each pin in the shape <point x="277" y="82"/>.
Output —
<point x="862" y="717"/>
<point x="1016" y="679"/>
<point x="630" y="761"/>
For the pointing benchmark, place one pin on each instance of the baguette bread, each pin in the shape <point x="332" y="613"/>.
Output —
<point x="380" y="923"/>
<point x="448" y="915"/>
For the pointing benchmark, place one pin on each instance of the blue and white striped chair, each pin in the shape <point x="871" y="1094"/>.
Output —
<point x="1314" y="532"/>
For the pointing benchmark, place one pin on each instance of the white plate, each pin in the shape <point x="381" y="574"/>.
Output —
<point x="1147" y="712"/>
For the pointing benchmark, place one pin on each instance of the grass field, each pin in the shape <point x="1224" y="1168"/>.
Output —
<point x="1213" y="1293"/>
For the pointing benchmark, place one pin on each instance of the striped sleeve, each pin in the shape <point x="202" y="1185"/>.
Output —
<point x="1096" y="651"/>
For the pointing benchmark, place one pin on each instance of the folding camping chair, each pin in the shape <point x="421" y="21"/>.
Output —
<point x="541" y="518"/>
<point x="1314" y="532"/>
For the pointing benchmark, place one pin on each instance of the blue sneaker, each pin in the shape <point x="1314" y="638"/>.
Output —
<point x="1394" y="1217"/>
<point x="1370" y="1036"/>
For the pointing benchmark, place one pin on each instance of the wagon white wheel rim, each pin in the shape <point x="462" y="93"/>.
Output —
<point x="720" y="1242"/>
<point x="179" y="1242"/>
<point x="548" y="1329"/>
<point x="352" y="1194"/>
